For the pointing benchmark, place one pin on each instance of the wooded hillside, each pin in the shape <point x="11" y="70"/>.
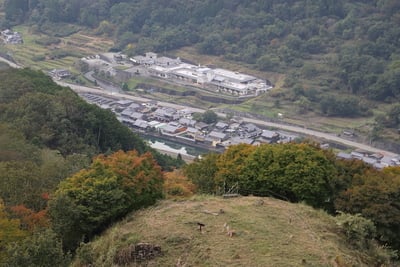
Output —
<point x="357" y="40"/>
<point x="48" y="133"/>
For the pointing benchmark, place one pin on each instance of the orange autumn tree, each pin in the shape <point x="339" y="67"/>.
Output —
<point x="177" y="185"/>
<point x="9" y="232"/>
<point x="30" y="220"/>
<point x="86" y="203"/>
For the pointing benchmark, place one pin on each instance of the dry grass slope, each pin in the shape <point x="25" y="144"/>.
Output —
<point x="266" y="232"/>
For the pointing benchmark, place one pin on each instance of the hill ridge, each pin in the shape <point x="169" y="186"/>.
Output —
<point x="266" y="232"/>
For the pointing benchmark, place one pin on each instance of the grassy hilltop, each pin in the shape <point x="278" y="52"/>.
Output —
<point x="267" y="232"/>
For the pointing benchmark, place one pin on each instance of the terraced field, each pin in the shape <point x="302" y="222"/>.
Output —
<point x="61" y="54"/>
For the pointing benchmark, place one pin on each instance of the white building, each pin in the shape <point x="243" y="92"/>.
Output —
<point x="218" y="80"/>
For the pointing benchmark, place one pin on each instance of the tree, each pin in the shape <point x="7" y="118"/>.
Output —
<point x="29" y="219"/>
<point x="202" y="172"/>
<point x="295" y="172"/>
<point x="268" y="63"/>
<point x="393" y="117"/>
<point x="209" y="117"/>
<point x="125" y="87"/>
<point x="231" y="164"/>
<point x="42" y="249"/>
<point x="375" y="195"/>
<point x="177" y="185"/>
<point x="9" y="232"/>
<point x="212" y="45"/>
<point x="86" y="203"/>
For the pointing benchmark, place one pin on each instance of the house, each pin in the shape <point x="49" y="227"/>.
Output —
<point x="192" y="131"/>
<point x="123" y="103"/>
<point x="60" y="73"/>
<point x="269" y="136"/>
<point x="186" y="113"/>
<point x="217" y="136"/>
<point x="357" y="155"/>
<point x="173" y="128"/>
<point x="136" y="116"/>
<point x="126" y="121"/>
<point x="151" y="104"/>
<point x="348" y="133"/>
<point x="343" y="155"/>
<point x="221" y="126"/>
<point x="201" y="126"/>
<point x="141" y="125"/>
<point x="11" y="37"/>
<point x="166" y="114"/>
<point x="369" y="160"/>
<point x="249" y="127"/>
<point x="187" y="122"/>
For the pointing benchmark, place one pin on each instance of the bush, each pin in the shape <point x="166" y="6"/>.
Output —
<point x="359" y="231"/>
<point x="48" y="41"/>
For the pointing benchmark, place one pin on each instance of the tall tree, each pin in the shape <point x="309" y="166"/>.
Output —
<point x="114" y="185"/>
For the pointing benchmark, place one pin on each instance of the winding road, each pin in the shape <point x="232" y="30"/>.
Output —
<point x="296" y="129"/>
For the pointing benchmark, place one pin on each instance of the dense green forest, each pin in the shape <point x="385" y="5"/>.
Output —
<point x="48" y="133"/>
<point x="346" y="46"/>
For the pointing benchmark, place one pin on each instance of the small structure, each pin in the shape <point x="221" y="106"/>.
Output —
<point x="217" y="136"/>
<point x="187" y="122"/>
<point x="269" y="136"/>
<point x="60" y="73"/>
<point x="221" y="126"/>
<point x="11" y="37"/>
<point x="173" y="128"/>
<point x="343" y="155"/>
<point x="141" y="125"/>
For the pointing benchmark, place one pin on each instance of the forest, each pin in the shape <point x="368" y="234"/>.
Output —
<point x="48" y="133"/>
<point x="69" y="170"/>
<point x="350" y="47"/>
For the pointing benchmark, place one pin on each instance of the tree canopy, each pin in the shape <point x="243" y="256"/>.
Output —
<point x="86" y="203"/>
<point x="303" y="172"/>
<point x="361" y="37"/>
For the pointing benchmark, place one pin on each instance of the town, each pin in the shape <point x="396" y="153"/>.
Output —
<point x="179" y="125"/>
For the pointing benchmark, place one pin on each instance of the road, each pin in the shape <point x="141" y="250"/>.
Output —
<point x="83" y="89"/>
<point x="291" y="128"/>
<point x="10" y="63"/>
<point x="116" y="93"/>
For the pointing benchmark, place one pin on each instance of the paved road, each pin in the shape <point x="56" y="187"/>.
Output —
<point x="116" y="92"/>
<point x="103" y="85"/>
<point x="10" y="63"/>
<point x="79" y="88"/>
<point x="296" y="129"/>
